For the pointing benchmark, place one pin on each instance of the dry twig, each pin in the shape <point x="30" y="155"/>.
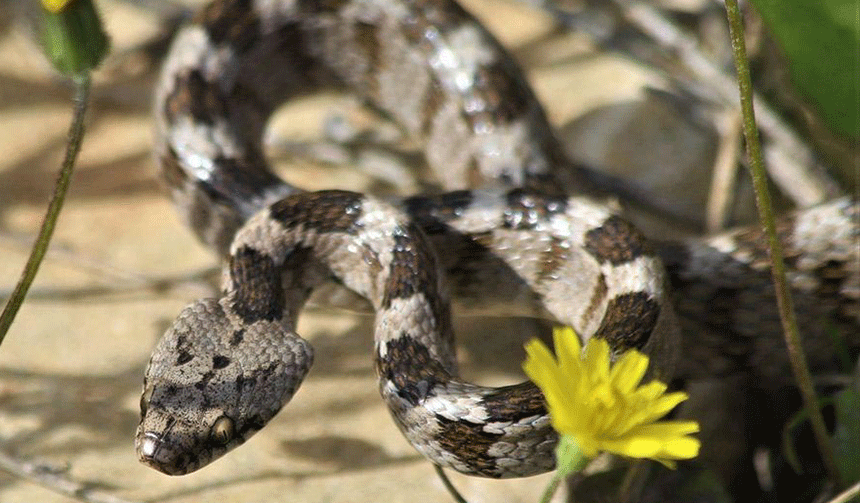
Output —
<point x="725" y="172"/>
<point x="57" y="482"/>
<point x="791" y="163"/>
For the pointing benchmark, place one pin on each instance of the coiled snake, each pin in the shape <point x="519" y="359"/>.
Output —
<point x="228" y="365"/>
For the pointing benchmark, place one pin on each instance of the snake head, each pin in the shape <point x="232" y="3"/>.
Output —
<point x="212" y="382"/>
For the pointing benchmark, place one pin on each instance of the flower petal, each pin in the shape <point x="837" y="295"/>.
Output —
<point x="628" y="371"/>
<point x="543" y="370"/>
<point x="650" y="391"/>
<point x="603" y="406"/>
<point x="662" y="405"/>
<point x="567" y="348"/>
<point x="540" y="366"/>
<point x="596" y="360"/>
<point x="634" y="447"/>
<point x="666" y="429"/>
<point x="681" y="448"/>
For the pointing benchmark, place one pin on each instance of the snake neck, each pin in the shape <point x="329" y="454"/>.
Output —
<point x="373" y="249"/>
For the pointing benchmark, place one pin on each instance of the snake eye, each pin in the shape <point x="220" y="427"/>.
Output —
<point x="222" y="431"/>
<point x="144" y="400"/>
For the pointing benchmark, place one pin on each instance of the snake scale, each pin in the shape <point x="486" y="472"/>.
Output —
<point x="533" y="236"/>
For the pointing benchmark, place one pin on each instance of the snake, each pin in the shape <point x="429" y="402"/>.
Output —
<point x="515" y="226"/>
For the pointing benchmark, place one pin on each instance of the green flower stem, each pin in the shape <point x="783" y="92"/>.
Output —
<point x="82" y="88"/>
<point x="552" y="487"/>
<point x="569" y="460"/>
<point x="783" y="294"/>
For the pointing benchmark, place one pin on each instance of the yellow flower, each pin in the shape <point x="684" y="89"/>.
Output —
<point x="55" y="6"/>
<point x="602" y="406"/>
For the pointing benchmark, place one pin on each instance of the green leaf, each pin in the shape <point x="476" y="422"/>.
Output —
<point x="821" y="40"/>
<point x="846" y="437"/>
<point x="788" y="433"/>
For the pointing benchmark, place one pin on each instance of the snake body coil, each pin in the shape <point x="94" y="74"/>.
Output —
<point x="228" y="365"/>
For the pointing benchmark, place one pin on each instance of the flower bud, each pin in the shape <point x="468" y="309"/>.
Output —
<point x="72" y="35"/>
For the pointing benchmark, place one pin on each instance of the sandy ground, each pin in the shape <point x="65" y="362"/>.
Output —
<point x="72" y="365"/>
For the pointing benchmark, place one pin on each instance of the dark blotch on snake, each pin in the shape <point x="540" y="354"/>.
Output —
<point x="233" y="21"/>
<point x="184" y="357"/>
<point x="470" y="443"/>
<point x="412" y="269"/>
<point x="408" y="364"/>
<point x="220" y="361"/>
<point x="326" y="211"/>
<point x="193" y="95"/>
<point x="515" y="402"/>
<point x="237" y="337"/>
<point x="630" y="319"/>
<point x="506" y="98"/>
<point x="204" y="380"/>
<point x="616" y="242"/>
<point x="258" y="294"/>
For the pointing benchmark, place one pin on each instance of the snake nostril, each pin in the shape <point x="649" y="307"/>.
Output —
<point x="148" y="448"/>
<point x="153" y="452"/>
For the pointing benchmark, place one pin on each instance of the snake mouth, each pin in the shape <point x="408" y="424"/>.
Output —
<point x="155" y="453"/>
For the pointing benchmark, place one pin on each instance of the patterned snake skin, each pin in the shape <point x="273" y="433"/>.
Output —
<point x="525" y="240"/>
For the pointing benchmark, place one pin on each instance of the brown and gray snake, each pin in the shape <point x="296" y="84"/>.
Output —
<point x="532" y="236"/>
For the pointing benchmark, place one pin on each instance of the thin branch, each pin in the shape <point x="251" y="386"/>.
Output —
<point x="791" y="162"/>
<point x="783" y="294"/>
<point x="448" y="485"/>
<point x="112" y="280"/>
<point x="203" y="279"/>
<point x="50" y="479"/>
<point x="796" y="172"/>
<point x="79" y="260"/>
<point x="850" y="494"/>
<point x="82" y="89"/>
<point x="725" y="172"/>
